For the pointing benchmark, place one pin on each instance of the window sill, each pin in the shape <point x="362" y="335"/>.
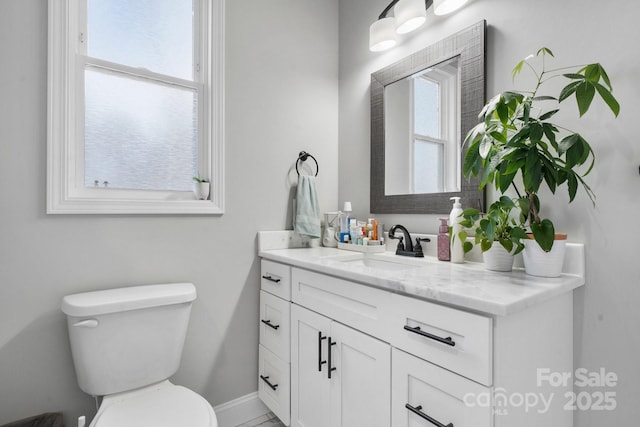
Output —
<point x="127" y="207"/>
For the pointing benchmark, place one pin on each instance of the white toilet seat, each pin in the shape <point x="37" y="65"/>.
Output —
<point x="159" y="405"/>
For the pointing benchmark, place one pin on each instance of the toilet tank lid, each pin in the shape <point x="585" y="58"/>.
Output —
<point x="124" y="299"/>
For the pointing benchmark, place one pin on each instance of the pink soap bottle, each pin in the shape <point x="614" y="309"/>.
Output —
<point x="444" y="249"/>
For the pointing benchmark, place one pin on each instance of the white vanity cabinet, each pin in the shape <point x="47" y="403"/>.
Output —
<point x="374" y="385"/>
<point x="340" y="377"/>
<point x="348" y="354"/>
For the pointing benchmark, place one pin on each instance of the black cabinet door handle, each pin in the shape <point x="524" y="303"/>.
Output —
<point x="331" y="369"/>
<point x="416" y="330"/>
<point x="268" y="323"/>
<point x="320" y="361"/>
<point x="418" y="411"/>
<point x="271" y="279"/>
<point x="266" y="380"/>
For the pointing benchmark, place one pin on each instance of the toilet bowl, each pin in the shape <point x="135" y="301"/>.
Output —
<point x="158" y="405"/>
<point x="125" y="344"/>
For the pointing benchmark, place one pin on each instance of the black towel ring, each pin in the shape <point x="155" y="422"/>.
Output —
<point x="303" y="156"/>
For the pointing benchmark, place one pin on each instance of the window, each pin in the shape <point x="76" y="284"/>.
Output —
<point x="135" y="105"/>
<point x="435" y="131"/>
<point x="428" y="139"/>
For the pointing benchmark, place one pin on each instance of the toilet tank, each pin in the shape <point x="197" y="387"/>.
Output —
<point x="126" y="338"/>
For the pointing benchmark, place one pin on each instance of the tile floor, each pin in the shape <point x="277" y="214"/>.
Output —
<point x="268" y="420"/>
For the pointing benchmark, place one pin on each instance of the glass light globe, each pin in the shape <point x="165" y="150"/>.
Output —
<point x="382" y="35"/>
<point x="442" y="7"/>
<point x="409" y="15"/>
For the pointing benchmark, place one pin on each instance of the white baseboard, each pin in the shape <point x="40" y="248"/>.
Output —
<point x="240" y="410"/>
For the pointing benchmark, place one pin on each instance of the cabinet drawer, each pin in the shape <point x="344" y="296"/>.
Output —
<point x="275" y="324"/>
<point x="276" y="279"/>
<point x="355" y="305"/>
<point x="274" y="378"/>
<point x="454" y="339"/>
<point x="421" y="391"/>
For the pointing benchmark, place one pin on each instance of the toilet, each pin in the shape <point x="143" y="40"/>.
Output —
<point x="126" y="343"/>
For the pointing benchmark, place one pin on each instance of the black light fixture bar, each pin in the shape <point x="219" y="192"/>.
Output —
<point x="386" y="10"/>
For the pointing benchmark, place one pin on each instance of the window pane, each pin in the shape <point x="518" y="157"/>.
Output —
<point x="138" y="134"/>
<point x="152" y="34"/>
<point x="427" y="167"/>
<point x="427" y="108"/>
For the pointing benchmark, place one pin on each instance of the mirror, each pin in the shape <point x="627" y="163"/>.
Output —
<point x="422" y="118"/>
<point x="421" y="108"/>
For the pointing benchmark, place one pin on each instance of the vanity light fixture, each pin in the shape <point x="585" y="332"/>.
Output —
<point x="443" y="7"/>
<point x="382" y="35"/>
<point x="408" y="15"/>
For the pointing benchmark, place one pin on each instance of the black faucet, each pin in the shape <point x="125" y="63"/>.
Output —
<point x="409" y="249"/>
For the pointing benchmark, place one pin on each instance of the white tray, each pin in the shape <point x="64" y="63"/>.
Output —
<point x="369" y="249"/>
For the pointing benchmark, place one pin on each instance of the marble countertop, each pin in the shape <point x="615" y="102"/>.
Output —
<point x="467" y="285"/>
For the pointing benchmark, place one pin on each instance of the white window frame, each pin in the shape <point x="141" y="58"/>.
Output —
<point x="448" y="128"/>
<point x="66" y="191"/>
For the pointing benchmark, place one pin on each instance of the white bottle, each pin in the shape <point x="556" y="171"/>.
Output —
<point x="457" y="250"/>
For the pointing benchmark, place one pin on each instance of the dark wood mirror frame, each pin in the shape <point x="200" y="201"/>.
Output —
<point x="469" y="46"/>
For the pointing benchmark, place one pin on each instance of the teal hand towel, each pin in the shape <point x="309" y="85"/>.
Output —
<point x="307" y="220"/>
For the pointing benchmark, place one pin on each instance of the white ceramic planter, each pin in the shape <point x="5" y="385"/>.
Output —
<point x="201" y="190"/>
<point x="544" y="264"/>
<point x="497" y="258"/>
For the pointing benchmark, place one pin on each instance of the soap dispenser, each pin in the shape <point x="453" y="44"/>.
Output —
<point x="457" y="249"/>
<point x="444" y="248"/>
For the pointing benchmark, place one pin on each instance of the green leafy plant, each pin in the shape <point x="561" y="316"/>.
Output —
<point x="198" y="179"/>
<point x="517" y="138"/>
<point x="497" y="225"/>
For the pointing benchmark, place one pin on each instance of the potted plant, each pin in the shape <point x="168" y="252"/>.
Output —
<point x="201" y="188"/>
<point x="497" y="225"/>
<point x="517" y="138"/>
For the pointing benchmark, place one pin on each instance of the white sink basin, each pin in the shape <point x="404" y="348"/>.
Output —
<point x="378" y="264"/>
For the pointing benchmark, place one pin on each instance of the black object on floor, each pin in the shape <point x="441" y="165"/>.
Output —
<point x="53" y="419"/>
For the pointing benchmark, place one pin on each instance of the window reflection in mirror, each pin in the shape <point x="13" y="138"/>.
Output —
<point x="422" y="122"/>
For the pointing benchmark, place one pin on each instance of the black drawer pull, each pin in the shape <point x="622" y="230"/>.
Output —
<point x="320" y="361"/>
<point x="271" y="279"/>
<point x="418" y="411"/>
<point x="331" y="344"/>
<point x="268" y="323"/>
<point x="266" y="380"/>
<point x="416" y="330"/>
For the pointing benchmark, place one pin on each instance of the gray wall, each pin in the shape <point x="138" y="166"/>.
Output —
<point x="606" y="313"/>
<point x="282" y="93"/>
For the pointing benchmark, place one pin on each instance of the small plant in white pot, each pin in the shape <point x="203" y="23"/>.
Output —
<point x="201" y="188"/>
<point x="517" y="139"/>
<point x="496" y="226"/>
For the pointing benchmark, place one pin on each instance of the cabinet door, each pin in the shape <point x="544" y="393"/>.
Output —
<point x="309" y="383"/>
<point x="425" y="395"/>
<point x="361" y="381"/>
